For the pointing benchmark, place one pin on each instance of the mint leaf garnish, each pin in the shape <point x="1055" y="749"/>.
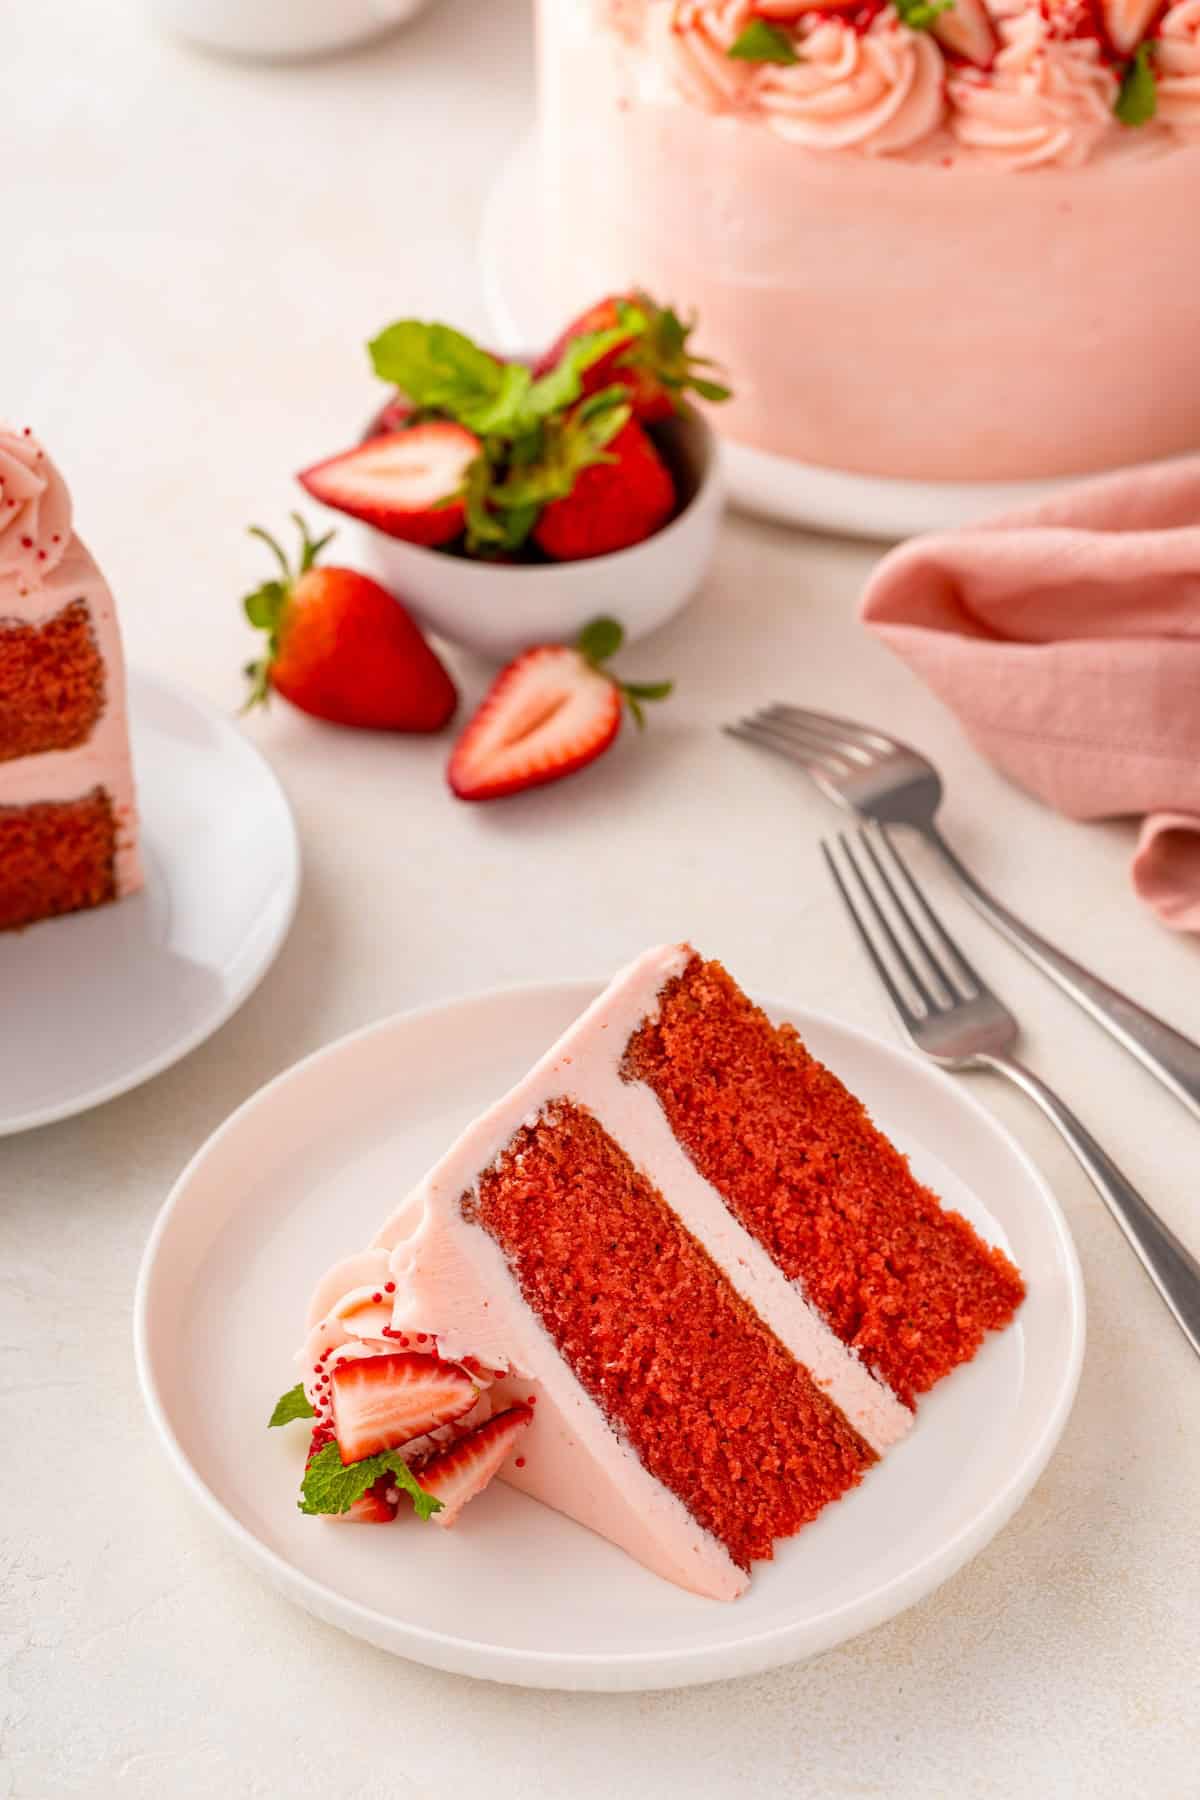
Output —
<point x="763" y="43"/>
<point x="1137" y="101"/>
<point x="292" y="1405"/>
<point x="331" y="1487"/>
<point x="439" y="367"/>
<point x="561" y="386"/>
<point x="919" y="15"/>
<point x="424" y="1505"/>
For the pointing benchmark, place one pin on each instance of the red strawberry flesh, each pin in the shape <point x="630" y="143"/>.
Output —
<point x="404" y="483"/>
<point x="382" y="1402"/>
<point x="547" y="714"/>
<point x="465" y="1469"/>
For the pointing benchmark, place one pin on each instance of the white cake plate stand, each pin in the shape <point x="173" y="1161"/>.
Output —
<point x="522" y="315"/>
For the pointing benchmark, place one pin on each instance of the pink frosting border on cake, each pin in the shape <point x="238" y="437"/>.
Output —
<point x="453" y="1284"/>
<point x="43" y="568"/>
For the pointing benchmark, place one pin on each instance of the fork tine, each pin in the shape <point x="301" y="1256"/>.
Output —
<point x="973" y="979"/>
<point x="817" y="762"/>
<point x="861" y="736"/>
<point x="848" y="756"/>
<point x="887" y="929"/>
<point x="908" y="1017"/>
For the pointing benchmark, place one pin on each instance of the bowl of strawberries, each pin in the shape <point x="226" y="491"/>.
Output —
<point x="509" y="503"/>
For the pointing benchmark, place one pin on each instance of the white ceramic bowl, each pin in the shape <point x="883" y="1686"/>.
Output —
<point x="500" y="609"/>
<point x="280" y="28"/>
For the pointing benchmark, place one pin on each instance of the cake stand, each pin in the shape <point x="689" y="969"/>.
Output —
<point x="777" y="487"/>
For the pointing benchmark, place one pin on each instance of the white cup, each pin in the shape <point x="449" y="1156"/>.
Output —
<point x="281" y="28"/>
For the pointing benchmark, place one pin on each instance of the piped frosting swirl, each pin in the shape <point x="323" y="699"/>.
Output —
<point x="35" y="510"/>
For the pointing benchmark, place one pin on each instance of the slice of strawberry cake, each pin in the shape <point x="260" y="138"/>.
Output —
<point x="68" y="823"/>
<point x="675" y="1284"/>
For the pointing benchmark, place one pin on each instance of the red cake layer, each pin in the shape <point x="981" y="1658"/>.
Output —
<point x="51" y="683"/>
<point x="797" y="1160"/>
<point x="714" y="1405"/>
<point x="56" y="857"/>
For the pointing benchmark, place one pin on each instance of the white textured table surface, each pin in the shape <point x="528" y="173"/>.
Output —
<point x="195" y="252"/>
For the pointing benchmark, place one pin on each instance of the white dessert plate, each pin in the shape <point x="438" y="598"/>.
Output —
<point x="307" y="1170"/>
<point x="96" y="1003"/>
<point x="777" y="487"/>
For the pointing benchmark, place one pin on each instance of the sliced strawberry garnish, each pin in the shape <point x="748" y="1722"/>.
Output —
<point x="546" y="714"/>
<point x="967" y="30"/>
<point x="1128" y="21"/>
<point x="464" y="1470"/>
<point x="374" y="1508"/>
<point x="381" y="1402"/>
<point x="408" y="483"/>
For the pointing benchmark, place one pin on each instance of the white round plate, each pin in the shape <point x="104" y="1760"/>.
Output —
<point x="306" y="1171"/>
<point x="98" y="1002"/>
<point x="795" y="493"/>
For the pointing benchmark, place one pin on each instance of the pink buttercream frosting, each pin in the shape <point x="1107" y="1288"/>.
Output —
<point x="1045" y="101"/>
<point x="35" y="511"/>
<point x="1177" y="67"/>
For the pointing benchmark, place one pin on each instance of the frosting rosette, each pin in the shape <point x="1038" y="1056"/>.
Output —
<point x="1177" y="68"/>
<point x="877" y="91"/>
<point x="693" y="38"/>
<point x="35" y="509"/>
<point x="1047" y="100"/>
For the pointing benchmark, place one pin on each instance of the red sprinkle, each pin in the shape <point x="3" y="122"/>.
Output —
<point x="520" y="1462"/>
<point x="27" y="543"/>
<point x="532" y="1401"/>
<point x="389" y="1287"/>
<point x="377" y="1297"/>
<point x="421" y="1336"/>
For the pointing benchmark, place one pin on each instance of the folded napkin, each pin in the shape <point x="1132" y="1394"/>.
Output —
<point x="1066" y="638"/>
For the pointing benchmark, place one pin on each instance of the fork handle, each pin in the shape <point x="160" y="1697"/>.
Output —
<point x="1170" y="1056"/>
<point x="1169" y="1263"/>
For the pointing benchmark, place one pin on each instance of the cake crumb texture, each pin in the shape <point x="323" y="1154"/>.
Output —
<point x="909" y="1285"/>
<point x="51" y="683"/>
<point x="56" y="857"/>
<point x="685" y="1372"/>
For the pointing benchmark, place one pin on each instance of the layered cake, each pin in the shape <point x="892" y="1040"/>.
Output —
<point x="926" y="240"/>
<point x="68" y="824"/>
<point x="675" y="1284"/>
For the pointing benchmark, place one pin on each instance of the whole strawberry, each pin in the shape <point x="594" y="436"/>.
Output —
<point x="341" y="648"/>
<point x="614" y="503"/>
<point x="650" y="360"/>
<point x="551" y="711"/>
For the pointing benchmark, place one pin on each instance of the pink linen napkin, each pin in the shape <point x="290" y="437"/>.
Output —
<point x="1066" y="638"/>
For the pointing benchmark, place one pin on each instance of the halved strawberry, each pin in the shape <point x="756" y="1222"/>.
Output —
<point x="552" y="711"/>
<point x="381" y="1402"/>
<point x="1128" y="21"/>
<point x="652" y="361"/>
<point x="546" y="714"/>
<point x="464" y="1470"/>
<point x="967" y="30"/>
<point x="408" y="483"/>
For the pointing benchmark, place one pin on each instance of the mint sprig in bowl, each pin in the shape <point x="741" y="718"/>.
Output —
<point x="509" y="502"/>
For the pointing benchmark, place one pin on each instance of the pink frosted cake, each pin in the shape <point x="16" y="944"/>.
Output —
<point x="963" y="247"/>
<point x="675" y="1284"/>
<point x="68" y="825"/>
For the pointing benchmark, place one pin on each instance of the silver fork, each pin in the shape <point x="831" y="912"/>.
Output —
<point x="879" y="778"/>
<point x="947" y="1011"/>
